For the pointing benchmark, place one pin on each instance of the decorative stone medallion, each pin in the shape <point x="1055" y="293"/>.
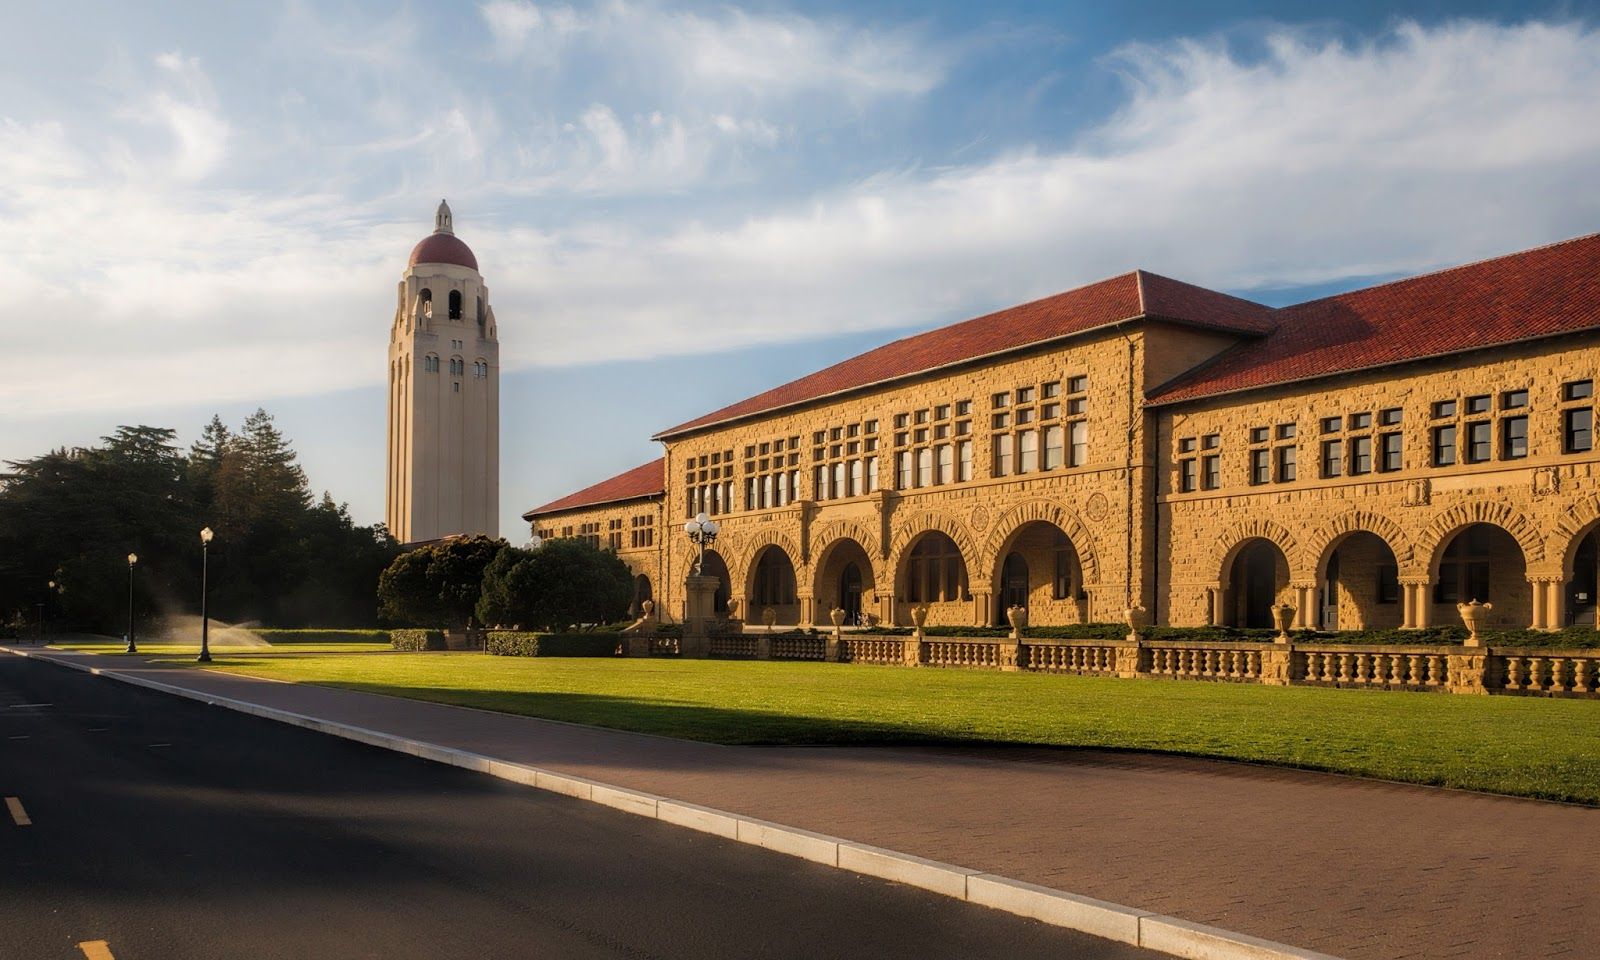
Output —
<point x="980" y="518"/>
<point x="1096" y="507"/>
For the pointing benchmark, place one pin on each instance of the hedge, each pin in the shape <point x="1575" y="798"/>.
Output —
<point x="517" y="643"/>
<point x="414" y="640"/>
<point x="321" y="636"/>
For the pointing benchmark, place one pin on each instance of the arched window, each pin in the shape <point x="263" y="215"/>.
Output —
<point x="935" y="571"/>
<point x="430" y="364"/>
<point x="426" y="296"/>
<point x="455" y="304"/>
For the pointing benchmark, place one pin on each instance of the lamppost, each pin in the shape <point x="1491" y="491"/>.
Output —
<point x="702" y="531"/>
<point x="205" y="616"/>
<point x="133" y="647"/>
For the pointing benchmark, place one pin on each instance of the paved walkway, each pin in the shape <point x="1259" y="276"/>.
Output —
<point x="1355" y="868"/>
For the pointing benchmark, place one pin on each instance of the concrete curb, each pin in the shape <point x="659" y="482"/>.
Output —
<point x="1170" y="935"/>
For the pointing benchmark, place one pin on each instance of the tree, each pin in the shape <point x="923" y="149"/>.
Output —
<point x="436" y="585"/>
<point x="564" y="582"/>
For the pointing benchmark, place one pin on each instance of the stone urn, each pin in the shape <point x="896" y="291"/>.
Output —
<point x="769" y="617"/>
<point x="733" y="609"/>
<point x="1472" y="614"/>
<point x="1138" y="619"/>
<point x="647" y="609"/>
<point x="1282" y="617"/>
<point x="919" y="619"/>
<point x="1017" y="616"/>
<point x="837" y="616"/>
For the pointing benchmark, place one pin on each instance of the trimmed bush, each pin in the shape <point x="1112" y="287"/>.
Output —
<point x="277" y="637"/>
<point x="416" y="640"/>
<point x="517" y="643"/>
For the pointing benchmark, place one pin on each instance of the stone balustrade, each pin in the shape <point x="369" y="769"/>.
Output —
<point x="799" y="648"/>
<point x="856" y="648"/>
<point x="1531" y="671"/>
<point x="942" y="652"/>
<point x="733" y="645"/>
<point x="1393" y="668"/>
<point x="1084" y="657"/>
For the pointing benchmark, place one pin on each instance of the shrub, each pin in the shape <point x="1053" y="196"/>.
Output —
<point x="414" y="640"/>
<point x="277" y="637"/>
<point x="565" y="581"/>
<point x="517" y="643"/>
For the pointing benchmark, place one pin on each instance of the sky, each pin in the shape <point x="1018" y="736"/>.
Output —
<point x="205" y="208"/>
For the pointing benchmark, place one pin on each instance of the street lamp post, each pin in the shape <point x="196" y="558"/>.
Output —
<point x="133" y="647"/>
<point x="702" y="530"/>
<point x="205" y="616"/>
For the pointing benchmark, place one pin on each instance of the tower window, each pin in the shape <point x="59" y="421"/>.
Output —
<point x="426" y="297"/>
<point x="430" y="364"/>
<point x="455" y="304"/>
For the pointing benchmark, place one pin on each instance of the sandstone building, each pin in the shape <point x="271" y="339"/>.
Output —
<point x="444" y="395"/>
<point x="1371" y="458"/>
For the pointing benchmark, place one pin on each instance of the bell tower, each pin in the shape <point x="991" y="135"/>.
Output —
<point x="444" y="395"/>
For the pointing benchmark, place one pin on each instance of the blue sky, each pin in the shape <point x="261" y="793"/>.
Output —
<point x="676" y="205"/>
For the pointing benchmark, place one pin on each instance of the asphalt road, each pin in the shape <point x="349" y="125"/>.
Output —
<point x="169" y="829"/>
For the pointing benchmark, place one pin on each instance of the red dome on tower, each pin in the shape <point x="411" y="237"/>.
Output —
<point x="442" y="246"/>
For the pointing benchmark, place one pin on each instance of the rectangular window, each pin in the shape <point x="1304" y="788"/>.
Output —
<point x="1333" y="458"/>
<point x="1054" y="455"/>
<point x="963" y="407"/>
<point x="1050" y="411"/>
<point x="925" y="467"/>
<point x="1513" y="399"/>
<point x="1077" y="384"/>
<point x="1478" y="404"/>
<point x="1332" y="424"/>
<point x="1260" y="466"/>
<point x="1444" y="446"/>
<point x="1478" y="442"/>
<point x="1389" y="417"/>
<point x="1186" y="476"/>
<point x="1078" y="446"/>
<point x="1361" y="455"/>
<point x="946" y="464"/>
<point x="838" y="480"/>
<point x="1286" y="431"/>
<point x="1390" y="450"/>
<point x="1027" y="452"/>
<point x="872" y="474"/>
<point x="1514" y="438"/>
<point x="1002" y="455"/>
<point x="1444" y="408"/>
<point x="1000" y="421"/>
<point x="964" y="461"/>
<point x="1212" y="468"/>
<point x="1388" y="583"/>
<point x="1000" y="400"/>
<point x="1052" y="389"/>
<point x="1258" y="434"/>
<point x="1024" y="416"/>
<point x="1024" y="394"/>
<point x="1186" y="445"/>
<point x="1076" y="406"/>
<point x="857" y="478"/>
<point x="1286" y="464"/>
<point x="903" y="470"/>
<point x="942" y="412"/>
<point x="1577" y="390"/>
<point x="1360" y="421"/>
<point x="1211" y="441"/>
<point x="1578" y="430"/>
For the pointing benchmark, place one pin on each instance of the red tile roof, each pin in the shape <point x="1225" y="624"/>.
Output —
<point x="1536" y="293"/>
<point x="1127" y="297"/>
<point x="648" y="480"/>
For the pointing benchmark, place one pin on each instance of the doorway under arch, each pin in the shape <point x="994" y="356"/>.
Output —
<point x="1482" y="562"/>
<point x="1359" y="586"/>
<point x="1258" y="574"/>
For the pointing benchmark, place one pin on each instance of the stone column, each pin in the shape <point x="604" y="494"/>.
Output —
<point x="1417" y="593"/>
<point x="700" y="594"/>
<point x="1214" y="605"/>
<point x="1304" y="599"/>
<point x="1549" y="601"/>
<point x="983" y="614"/>
<point x="808" y="611"/>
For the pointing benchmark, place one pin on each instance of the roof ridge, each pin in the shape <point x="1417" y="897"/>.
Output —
<point x="1441" y="271"/>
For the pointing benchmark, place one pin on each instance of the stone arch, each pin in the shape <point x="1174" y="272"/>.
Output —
<point x="1012" y="521"/>
<point x="1226" y="548"/>
<point x="912" y="529"/>
<point x="750" y="551"/>
<point x="1445" y="527"/>
<point x="1578" y="521"/>
<point x="1326" y="539"/>
<point x="826" y="535"/>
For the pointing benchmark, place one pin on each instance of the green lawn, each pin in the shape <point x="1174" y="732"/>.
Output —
<point x="1531" y="747"/>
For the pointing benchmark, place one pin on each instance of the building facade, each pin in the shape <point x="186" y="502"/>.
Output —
<point x="444" y="395"/>
<point x="1371" y="459"/>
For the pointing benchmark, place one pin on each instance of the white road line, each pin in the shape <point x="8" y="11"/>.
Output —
<point x="18" y="706"/>
<point x="23" y="736"/>
<point x="96" y="950"/>
<point x="17" y="813"/>
<point x="160" y="744"/>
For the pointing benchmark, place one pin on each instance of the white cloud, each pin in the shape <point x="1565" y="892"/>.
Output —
<point x="732" y="52"/>
<point x="189" y="111"/>
<point x="1313" y="162"/>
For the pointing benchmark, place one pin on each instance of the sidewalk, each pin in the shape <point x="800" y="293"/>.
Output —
<point x="1355" y="868"/>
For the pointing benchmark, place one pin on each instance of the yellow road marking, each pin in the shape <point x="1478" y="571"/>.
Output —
<point x="17" y="813"/>
<point x="96" y="950"/>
